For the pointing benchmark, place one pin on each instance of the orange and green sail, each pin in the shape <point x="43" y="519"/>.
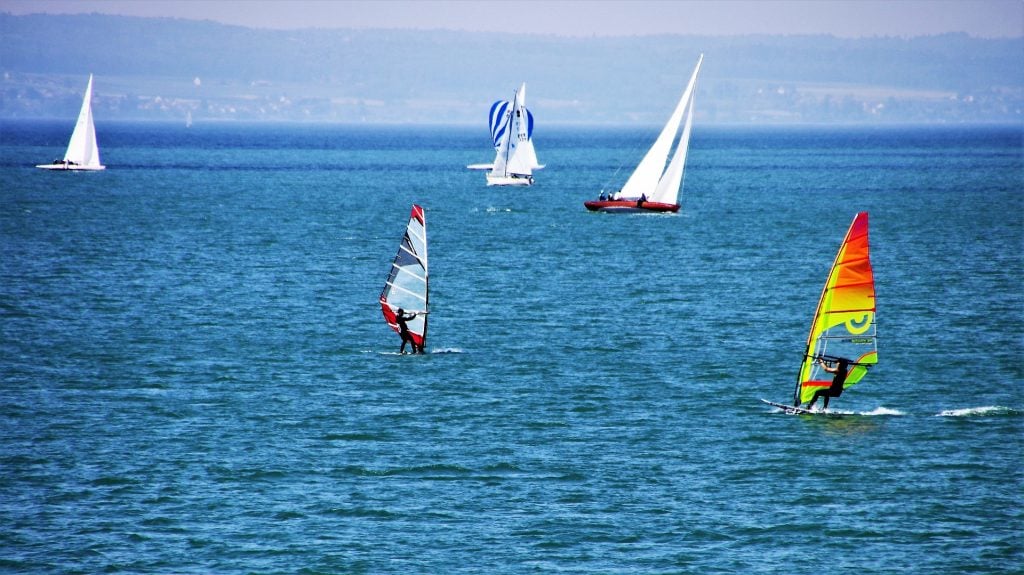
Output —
<point x="844" y="324"/>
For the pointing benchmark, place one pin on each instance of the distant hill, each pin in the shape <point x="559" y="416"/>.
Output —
<point x="161" y="68"/>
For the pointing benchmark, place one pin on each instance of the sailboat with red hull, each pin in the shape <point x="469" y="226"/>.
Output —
<point x="653" y="187"/>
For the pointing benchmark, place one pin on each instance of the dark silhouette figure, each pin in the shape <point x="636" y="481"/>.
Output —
<point x="403" y="330"/>
<point x="841" y="370"/>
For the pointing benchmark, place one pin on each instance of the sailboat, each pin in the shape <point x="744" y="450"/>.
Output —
<point x="512" y="133"/>
<point x="843" y="327"/>
<point x="653" y="187"/>
<point x="408" y="285"/>
<point x="83" y="152"/>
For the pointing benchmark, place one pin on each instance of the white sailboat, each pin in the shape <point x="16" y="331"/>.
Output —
<point x="512" y="132"/>
<point x="83" y="153"/>
<point x="653" y="187"/>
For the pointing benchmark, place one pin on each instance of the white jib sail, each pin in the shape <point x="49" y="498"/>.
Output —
<point x="670" y="184"/>
<point x="648" y="173"/>
<point x="82" y="149"/>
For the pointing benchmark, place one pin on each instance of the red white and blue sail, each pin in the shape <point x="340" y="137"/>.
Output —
<point x="407" y="286"/>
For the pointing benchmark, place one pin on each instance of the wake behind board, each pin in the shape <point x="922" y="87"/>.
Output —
<point x="794" y="410"/>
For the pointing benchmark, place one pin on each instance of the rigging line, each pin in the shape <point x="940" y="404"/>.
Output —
<point x="833" y="358"/>
<point x="632" y="152"/>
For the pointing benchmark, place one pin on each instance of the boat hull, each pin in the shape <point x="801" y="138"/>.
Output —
<point x="509" y="180"/>
<point x="71" y="167"/>
<point x="630" y="206"/>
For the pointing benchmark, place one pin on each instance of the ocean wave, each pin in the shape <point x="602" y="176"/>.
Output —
<point x="447" y="350"/>
<point x="979" y="411"/>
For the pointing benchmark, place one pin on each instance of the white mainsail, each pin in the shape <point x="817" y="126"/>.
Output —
<point x="651" y="178"/>
<point x="83" y="152"/>
<point x="512" y="127"/>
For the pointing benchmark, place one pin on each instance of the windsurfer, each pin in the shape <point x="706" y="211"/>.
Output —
<point x="840" y="370"/>
<point x="403" y="330"/>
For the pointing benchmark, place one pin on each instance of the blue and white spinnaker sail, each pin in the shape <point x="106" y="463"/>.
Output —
<point x="511" y="127"/>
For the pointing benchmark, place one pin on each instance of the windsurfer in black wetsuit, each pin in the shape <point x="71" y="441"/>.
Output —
<point x="841" y="370"/>
<point x="403" y="330"/>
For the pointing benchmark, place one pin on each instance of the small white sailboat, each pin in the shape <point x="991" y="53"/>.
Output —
<point x="653" y="187"/>
<point x="83" y="152"/>
<point x="512" y="132"/>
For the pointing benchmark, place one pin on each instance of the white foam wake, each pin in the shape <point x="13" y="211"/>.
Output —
<point x="971" y="411"/>
<point x="883" y="411"/>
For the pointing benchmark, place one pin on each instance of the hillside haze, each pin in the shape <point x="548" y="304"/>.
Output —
<point x="158" y="68"/>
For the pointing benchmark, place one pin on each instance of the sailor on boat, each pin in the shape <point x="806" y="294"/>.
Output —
<point x="840" y="370"/>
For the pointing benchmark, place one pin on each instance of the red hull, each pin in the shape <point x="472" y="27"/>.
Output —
<point x="627" y="206"/>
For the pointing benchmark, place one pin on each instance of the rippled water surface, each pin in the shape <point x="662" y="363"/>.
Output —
<point x="196" y="377"/>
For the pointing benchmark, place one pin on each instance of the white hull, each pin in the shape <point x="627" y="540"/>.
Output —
<point x="74" y="167"/>
<point x="509" y="180"/>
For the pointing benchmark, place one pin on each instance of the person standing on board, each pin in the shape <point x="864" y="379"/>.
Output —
<point x="403" y="330"/>
<point x="836" y="389"/>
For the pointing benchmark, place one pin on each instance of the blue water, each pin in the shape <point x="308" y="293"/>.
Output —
<point x="196" y="377"/>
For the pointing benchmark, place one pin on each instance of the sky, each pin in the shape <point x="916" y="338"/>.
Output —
<point x="842" y="18"/>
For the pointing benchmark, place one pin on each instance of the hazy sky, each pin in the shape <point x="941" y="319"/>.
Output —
<point x="845" y="18"/>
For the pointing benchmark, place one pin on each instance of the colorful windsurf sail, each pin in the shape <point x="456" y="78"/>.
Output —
<point x="407" y="286"/>
<point x="844" y="324"/>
